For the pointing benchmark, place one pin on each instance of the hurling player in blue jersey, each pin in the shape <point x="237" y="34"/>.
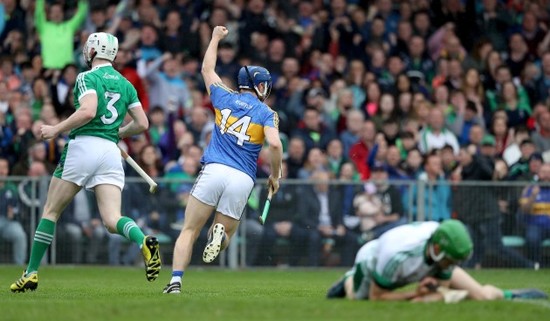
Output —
<point x="243" y="123"/>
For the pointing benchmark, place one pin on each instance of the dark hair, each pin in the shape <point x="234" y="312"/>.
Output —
<point x="406" y="134"/>
<point x="432" y="154"/>
<point x="447" y="147"/>
<point x="526" y="141"/>
<point x="521" y="128"/>
<point x="471" y="106"/>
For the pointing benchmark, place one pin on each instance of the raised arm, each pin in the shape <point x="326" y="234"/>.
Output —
<point x="210" y="56"/>
<point x="80" y="15"/>
<point x="40" y="15"/>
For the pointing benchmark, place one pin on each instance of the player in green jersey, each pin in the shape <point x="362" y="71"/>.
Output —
<point x="91" y="158"/>
<point x="426" y="253"/>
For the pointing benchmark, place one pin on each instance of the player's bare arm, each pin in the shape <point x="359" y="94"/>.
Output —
<point x="139" y="123"/>
<point x="86" y="112"/>
<point x="276" y="154"/>
<point x="210" y="56"/>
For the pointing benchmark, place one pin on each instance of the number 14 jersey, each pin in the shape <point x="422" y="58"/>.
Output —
<point x="115" y="95"/>
<point x="238" y="135"/>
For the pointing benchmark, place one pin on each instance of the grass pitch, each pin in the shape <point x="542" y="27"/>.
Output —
<point x="104" y="293"/>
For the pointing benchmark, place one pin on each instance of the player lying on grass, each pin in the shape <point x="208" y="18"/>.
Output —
<point x="427" y="253"/>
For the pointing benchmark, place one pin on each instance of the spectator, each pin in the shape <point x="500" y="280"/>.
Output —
<point x="335" y="157"/>
<point x="13" y="18"/>
<point x="11" y="229"/>
<point x="62" y="90"/>
<point x="313" y="131"/>
<point x="535" y="162"/>
<point x="173" y="39"/>
<point x="166" y="88"/>
<point x="319" y="219"/>
<point x="386" y="110"/>
<point x="36" y="153"/>
<point x="543" y="83"/>
<point x="157" y="124"/>
<point x="499" y="129"/>
<point x="527" y="148"/>
<point x="350" y="136"/>
<point x="359" y="152"/>
<point x="198" y="123"/>
<point x="531" y="32"/>
<point x="56" y="35"/>
<point x="436" y="195"/>
<point x="296" y="156"/>
<point x="448" y="161"/>
<point x="419" y="66"/>
<point x="518" y="54"/>
<point x="227" y="65"/>
<point x="23" y="137"/>
<point x="535" y="201"/>
<point x="517" y="110"/>
<point x="477" y="207"/>
<point x="149" y="49"/>
<point x="493" y="22"/>
<point x="412" y="167"/>
<point x="126" y="65"/>
<point x="517" y="96"/>
<point x="393" y="212"/>
<point x="316" y="161"/>
<point x="541" y="137"/>
<point x="464" y="117"/>
<point x="436" y="135"/>
<point x="512" y="153"/>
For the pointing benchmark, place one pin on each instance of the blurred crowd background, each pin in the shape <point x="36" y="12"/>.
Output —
<point x="410" y="109"/>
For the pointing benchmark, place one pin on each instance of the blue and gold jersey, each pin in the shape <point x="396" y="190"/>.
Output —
<point x="540" y="213"/>
<point x="238" y="135"/>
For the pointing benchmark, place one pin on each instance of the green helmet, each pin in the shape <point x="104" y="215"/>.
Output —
<point x="453" y="240"/>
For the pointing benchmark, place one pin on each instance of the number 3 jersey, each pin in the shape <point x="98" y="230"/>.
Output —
<point x="115" y="95"/>
<point x="238" y="135"/>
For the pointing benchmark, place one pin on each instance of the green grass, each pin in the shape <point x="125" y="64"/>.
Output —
<point x="103" y="293"/>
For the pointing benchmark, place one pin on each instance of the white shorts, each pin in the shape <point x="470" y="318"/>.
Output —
<point x="223" y="187"/>
<point x="89" y="161"/>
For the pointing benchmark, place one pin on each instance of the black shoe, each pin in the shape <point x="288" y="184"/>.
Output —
<point x="173" y="288"/>
<point x="529" y="294"/>
<point x="337" y="290"/>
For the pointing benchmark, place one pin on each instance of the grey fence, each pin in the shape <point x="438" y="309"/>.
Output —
<point x="291" y="235"/>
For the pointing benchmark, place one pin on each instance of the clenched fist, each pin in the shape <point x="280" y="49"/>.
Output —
<point x="48" y="132"/>
<point x="219" y="32"/>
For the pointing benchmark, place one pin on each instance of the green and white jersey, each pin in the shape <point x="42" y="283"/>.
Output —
<point x="115" y="95"/>
<point x="396" y="259"/>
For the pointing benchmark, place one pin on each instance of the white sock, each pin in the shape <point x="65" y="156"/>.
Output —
<point x="175" y="279"/>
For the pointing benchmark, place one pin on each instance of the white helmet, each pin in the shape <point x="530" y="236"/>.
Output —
<point x="105" y="46"/>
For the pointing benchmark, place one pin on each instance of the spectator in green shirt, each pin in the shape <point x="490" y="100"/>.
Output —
<point x="56" y="34"/>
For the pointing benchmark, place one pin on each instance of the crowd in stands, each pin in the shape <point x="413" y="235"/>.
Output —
<point x="438" y="91"/>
